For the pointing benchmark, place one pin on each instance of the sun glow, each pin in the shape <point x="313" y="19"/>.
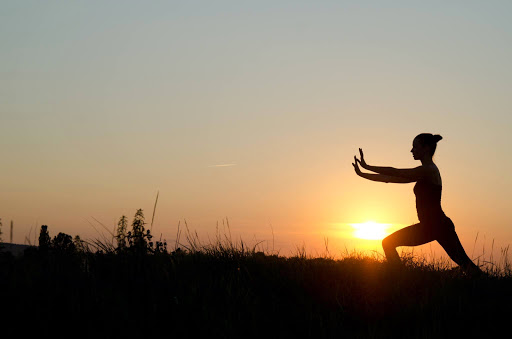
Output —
<point x="370" y="230"/>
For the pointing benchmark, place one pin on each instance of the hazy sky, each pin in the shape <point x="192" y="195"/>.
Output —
<point x="252" y="110"/>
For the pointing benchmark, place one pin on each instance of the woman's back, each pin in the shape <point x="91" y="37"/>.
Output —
<point x="428" y="198"/>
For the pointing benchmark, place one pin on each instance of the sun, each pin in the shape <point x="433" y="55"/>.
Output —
<point x="370" y="230"/>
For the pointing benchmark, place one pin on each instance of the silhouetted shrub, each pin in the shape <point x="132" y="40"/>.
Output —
<point x="139" y="239"/>
<point x="44" y="239"/>
<point x="63" y="244"/>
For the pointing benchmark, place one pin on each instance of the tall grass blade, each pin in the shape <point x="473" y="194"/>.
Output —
<point x="154" y="209"/>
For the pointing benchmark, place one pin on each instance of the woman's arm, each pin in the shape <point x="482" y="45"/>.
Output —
<point x="413" y="174"/>
<point x="409" y="173"/>
<point x="380" y="177"/>
<point x="386" y="178"/>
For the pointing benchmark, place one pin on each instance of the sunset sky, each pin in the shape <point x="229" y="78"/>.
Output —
<point x="253" y="111"/>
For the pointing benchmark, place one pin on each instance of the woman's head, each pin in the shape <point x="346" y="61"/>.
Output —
<point x="425" y="143"/>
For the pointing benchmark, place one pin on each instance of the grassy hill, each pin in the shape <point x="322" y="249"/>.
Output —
<point x="227" y="291"/>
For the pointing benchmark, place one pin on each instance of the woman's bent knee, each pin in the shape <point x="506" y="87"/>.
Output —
<point x="387" y="243"/>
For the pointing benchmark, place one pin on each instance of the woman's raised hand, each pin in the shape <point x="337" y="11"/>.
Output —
<point x="362" y="162"/>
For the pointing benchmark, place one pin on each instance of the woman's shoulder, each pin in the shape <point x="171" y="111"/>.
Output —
<point x="433" y="175"/>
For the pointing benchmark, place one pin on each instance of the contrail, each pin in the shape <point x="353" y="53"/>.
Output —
<point x="222" y="165"/>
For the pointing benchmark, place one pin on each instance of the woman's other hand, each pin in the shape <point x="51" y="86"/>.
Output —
<point x="356" y="166"/>
<point x="362" y="161"/>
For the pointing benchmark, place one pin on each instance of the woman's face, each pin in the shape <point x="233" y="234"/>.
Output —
<point x="418" y="150"/>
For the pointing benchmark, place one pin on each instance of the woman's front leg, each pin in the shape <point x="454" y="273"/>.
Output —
<point x="414" y="235"/>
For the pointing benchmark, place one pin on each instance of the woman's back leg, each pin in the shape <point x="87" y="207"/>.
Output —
<point x="451" y="244"/>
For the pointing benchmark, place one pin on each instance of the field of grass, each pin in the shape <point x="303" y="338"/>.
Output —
<point x="225" y="290"/>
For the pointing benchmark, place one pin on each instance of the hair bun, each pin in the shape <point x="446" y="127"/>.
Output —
<point x="437" y="137"/>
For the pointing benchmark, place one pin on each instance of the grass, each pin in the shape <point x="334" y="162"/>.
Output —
<point x="224" y="289"/>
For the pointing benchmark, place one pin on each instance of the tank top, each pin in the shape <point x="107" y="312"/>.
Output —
<point x="428" y="201"/>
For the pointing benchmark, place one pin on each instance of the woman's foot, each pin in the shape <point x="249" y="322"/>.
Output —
<point x="472" y="270"/>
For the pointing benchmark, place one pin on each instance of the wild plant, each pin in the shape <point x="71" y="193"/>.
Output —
<point x="122" y="225"/>
<point x="139" y="239"/>
<point x="80" y="245"/>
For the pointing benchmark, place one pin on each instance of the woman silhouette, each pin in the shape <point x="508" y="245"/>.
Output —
<point x="434" y="224"/>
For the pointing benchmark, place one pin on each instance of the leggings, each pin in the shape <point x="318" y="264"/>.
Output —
<point x="424" y="232"/>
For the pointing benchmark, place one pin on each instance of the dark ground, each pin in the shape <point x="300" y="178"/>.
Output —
<point x="236" y="294"/>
